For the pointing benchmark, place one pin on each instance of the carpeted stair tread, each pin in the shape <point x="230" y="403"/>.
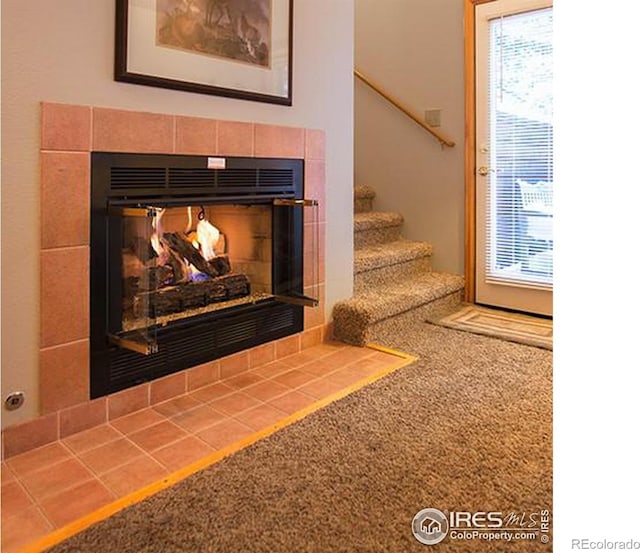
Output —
<point x="371" y="220"/>
<point x="390" y="253"/>
<point x="392" y="299"/>
<point x="364" y="192"/>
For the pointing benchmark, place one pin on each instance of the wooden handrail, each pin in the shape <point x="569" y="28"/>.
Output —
<point x="442" y="139"/>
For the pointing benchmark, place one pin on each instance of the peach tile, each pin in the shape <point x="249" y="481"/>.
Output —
<point x="287" y="346"/>
<point x="168" y="387"/>
<point x="314" y="144"/>
<point x="278" y="141"/>
<point x="349" y="355"/>
<point x="371" y="365"/>
<point x="345" y="376"/>
<point x="55" y="478"/>
<point x="110" y="456"/>
<point x="6" y="474"/>
<point x="320" y="367"/>
<point x="234" y="403"/>
<point x="209" y="393"/>
<point x="66" y="127"/>
<point x="128" y="401"/>
<point x="235" y="138"/>
<point x="261" y="355"/>
<point x="133" y="475"/>
<point x="314" y="186"/>
<point x="320" y="388"/>
<point x="24" y="528"/>
<point x="203" y="375"/>
<point x="261" y="416"/>
<point x="29" y="435"/>
<point x="177" y="405"/>
<point x="294" y="378"/>
<point x="182" y="453"/>
<point x="64" y="302"/>
<point x="292" y="402"/>
<point x="138" y="420"/>
<point x="14" y="500"/>
<point x="300" y="359"/>
<point x="243" y="380"/>
<point x="64" y="199"/>
<point x="225" y="433"/>
<point x="76" y="502"/>
<point x="195" y="135"/>
<point x="266" y="390"/>
<point x="311" y="338"/>
<point x="197" y="419"/>
<point x="82" y="417"/>
<point x="64" y="376"/>
<point x="132" y="131"/>
<point x="314" y="316"/>
<point x="92" y="438"/>
<point x="157" y="436"/>
<point x="234" y="364"/>
<point x="36" y="459"/>
<point x="314" y="253"/>
<point x="272" y="369"/>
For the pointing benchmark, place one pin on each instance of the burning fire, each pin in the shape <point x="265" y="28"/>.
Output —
<point x="204" y="239"/>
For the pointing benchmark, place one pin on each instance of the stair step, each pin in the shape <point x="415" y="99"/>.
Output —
<point x="355" y="319"/>
<point x="363" y="196"/>
<point x="390" y="253"/>
<point x="376" y="227"/>
<point x="389" y="262"/>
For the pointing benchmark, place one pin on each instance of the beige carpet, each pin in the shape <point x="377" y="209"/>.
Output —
<point x="466" y="427"/>
<point x="515" y="327"/>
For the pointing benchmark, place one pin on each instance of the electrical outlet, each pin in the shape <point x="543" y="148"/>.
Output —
<point x="432" y="117"/>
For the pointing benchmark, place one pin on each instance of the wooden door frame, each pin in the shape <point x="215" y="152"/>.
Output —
<point x="470" y="147"/>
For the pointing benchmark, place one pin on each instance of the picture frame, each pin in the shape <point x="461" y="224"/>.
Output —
<point x="233" y="48"/>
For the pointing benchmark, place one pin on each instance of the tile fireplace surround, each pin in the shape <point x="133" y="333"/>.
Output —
<point x="69" y="134"/>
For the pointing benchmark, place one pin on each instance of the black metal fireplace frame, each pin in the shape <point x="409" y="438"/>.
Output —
<point x="130" y="180"/>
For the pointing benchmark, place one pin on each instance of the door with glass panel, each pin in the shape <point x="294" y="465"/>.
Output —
<point x="514" y="155"/>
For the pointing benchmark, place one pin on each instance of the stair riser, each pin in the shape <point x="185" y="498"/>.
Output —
<point x="390" y="274"/>
<point x="353" y="333"/>
<point x="374" y="236"/>
<point x="362" y="205"/>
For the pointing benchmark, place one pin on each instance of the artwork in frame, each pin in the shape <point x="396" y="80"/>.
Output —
<point x="234" y="48"/>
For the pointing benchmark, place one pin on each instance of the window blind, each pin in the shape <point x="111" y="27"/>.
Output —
<point x="519" y="245"/>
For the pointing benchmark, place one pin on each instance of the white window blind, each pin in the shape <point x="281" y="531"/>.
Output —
<point x="520" y="200"/>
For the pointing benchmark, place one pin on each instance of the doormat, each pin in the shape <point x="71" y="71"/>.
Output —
<point x="514" y="327"/>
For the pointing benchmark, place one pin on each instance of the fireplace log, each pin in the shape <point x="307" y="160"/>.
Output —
<point x="179" y="243"/>
<point x="174" y="299"/>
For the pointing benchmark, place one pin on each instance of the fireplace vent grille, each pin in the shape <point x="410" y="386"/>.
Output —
<point x="226" y="181"/>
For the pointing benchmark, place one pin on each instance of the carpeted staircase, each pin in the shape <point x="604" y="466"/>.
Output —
<point x="393" y="280"/>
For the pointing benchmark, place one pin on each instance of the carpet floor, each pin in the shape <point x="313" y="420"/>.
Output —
<point x="468" y="427"/>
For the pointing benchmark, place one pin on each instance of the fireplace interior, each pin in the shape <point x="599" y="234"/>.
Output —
<point x="193" y="258"/>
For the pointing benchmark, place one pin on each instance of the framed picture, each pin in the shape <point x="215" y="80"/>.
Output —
<point x="234" y="48"/>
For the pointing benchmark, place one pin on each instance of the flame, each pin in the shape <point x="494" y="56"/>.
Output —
<point x="208" y="237"/>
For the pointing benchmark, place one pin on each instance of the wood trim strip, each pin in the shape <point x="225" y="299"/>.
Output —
<point x="470" y="149"/>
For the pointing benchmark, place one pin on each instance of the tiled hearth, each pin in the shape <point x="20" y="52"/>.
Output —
<point x="69" y="134"/>
<point x="91" y="474"/>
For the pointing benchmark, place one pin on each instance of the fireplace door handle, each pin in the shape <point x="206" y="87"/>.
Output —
<point x="145" y="348"/>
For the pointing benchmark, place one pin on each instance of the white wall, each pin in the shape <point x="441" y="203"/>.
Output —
<point x="413" y="49"/>
<point x="62" y="52"/>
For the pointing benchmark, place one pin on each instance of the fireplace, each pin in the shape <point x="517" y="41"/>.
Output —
<point x="192" y="258"/>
